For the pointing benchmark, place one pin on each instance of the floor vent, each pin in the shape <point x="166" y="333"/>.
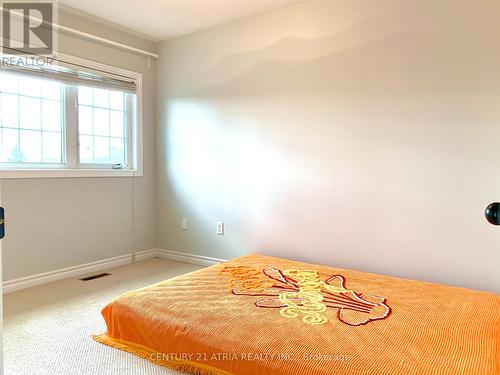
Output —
<point x="95" y="277"/>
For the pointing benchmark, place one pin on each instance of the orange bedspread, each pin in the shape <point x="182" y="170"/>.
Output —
<point x="263" y="315"/>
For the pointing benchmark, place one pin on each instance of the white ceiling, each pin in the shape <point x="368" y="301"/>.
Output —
<point x="165" y="19"/>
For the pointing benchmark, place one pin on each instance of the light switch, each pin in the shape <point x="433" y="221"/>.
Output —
<point x="184" y="223"/>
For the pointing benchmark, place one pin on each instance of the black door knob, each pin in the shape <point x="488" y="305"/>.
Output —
<point x="492" y="213"/>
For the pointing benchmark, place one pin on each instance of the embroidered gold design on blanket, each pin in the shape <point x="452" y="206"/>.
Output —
<point x="308" y="301"/>
<point x="302" y="293"/>
<point x="245" y="278"/>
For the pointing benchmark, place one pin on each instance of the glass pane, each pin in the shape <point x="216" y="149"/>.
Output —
<point x="8" y="83"/>
<point x="85" y="116"/>
<point x="101" y="150"/>
<point x="51" y="115"/>
<point x="29" y="113"/>
<point x="8" y="110"/>
<point x="31" y="146"/>
<point x="84" y="95"/>
<point x="29" y="86"/>
<point x="101" y="122"/>
<point x="51" y="90"/>
<point x="51" y="147"/>
<point x="101" y="98"/>
<point x="103" y="131"/>
<point x="86" y="149"/>
<point x="116" y="126"/>
<point x="9" y="151"/>
<point x="117" y="150"/>
<point x="116" y="100"/>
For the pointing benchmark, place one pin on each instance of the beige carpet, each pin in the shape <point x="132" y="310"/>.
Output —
<point x="47" y="329"/>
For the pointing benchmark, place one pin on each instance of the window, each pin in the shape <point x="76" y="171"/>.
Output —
<point x="63" y="119"/>
<point x="30" y="120"/>
<point x="102" y="130"/>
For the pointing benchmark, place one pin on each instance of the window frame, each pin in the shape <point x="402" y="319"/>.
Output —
<point x="71" y="167"/>
<point x="74" y="132"/>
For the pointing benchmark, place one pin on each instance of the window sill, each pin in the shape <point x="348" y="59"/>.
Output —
<point x="67" y="173"/>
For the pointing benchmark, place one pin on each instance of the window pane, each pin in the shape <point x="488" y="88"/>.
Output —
<point x="86" y="149"/>
<point x="84" y="95"/>
<point x="101" y="98"/>
<point x="117" y="150"/>
<point x="51" y="115"/>
<point x="52" y="147"/>
<point x="31" y="146"/>
<point x="101" y="122"/>
<point x="102" y="131"/>
<point x="101" y="150"/>
<point x="36" y="109"/>
<point x="51" y="90"/>
<point x="8" y="110"/>
<point x="8" y="83"/>
<point x="85" y="121"/>
<point x="29" y="113"/>
<point x="29" y="86"/>
<point x="10" y="145"/>
<point x="116" y="124"/>
<point x="116" y="100"/>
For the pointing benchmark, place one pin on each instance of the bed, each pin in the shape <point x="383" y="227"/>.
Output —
<point x="263" y="315"/>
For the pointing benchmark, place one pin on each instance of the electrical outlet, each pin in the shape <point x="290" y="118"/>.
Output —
<point x="220" y="228"/>
<point x="184" y="223"/>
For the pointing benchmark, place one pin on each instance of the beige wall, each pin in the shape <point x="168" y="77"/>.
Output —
<point x="58" y="223"/>
<point x="362" y="134"/>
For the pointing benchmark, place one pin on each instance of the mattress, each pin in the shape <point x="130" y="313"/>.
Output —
<point x="263" y="315"/>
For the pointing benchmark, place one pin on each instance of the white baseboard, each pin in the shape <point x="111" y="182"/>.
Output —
<point x="75" y="271"/>
<point x="100" y="265"/>
<point x="200" y="260"/>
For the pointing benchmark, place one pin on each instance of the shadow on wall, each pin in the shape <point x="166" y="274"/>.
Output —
<point x="388" y="56"/>
<point x="340" y="145"/>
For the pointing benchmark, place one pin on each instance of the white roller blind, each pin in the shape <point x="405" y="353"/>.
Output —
<point x="73" y="74"/>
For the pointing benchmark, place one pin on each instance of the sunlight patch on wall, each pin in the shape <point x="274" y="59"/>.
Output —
<point x="214" y="164"/>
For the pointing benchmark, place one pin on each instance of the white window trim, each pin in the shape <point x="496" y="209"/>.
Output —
<point x="64" y="171"/>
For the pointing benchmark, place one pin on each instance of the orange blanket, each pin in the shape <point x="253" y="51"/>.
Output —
<point x="263" y="315"/>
